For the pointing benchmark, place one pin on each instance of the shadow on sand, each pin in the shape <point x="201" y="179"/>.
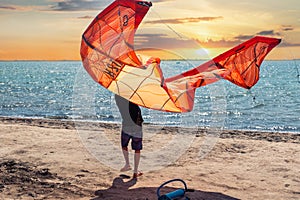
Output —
<point x="120" y="190"/>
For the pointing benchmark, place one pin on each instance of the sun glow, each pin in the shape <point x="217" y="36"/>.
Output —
<point x="202" y="52"/>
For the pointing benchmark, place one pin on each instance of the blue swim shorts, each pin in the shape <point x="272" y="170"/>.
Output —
<point x="136" y="142"/>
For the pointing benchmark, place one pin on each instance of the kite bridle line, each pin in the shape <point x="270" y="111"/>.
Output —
<point x="210" y="135"/>
<point x="167" y="25"/>
<point x="181" y="37"/>
<point x="294" y="60"/>
<point x="297" y="69"/>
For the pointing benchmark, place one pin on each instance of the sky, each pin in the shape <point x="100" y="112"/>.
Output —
<point x="52" y="29"/>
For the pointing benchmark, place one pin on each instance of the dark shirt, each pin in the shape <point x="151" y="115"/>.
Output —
<point x="131" y="115"/>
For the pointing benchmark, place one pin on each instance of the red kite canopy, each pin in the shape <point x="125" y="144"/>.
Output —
<point x="108" y="55"/>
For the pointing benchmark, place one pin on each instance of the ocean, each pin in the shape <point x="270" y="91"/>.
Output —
<point x="63" y="90"/>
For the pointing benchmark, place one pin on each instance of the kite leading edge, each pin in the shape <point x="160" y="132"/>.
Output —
<point x="107" y="52"/>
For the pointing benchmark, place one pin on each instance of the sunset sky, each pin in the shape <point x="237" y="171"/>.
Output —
<point x="52" y="29"/>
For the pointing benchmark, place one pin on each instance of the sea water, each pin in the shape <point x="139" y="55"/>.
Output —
<point x="63" y="90"/>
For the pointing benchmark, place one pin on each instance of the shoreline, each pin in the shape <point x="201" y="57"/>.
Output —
<point x="270" y="136"/>
<point x="79" y="60"/>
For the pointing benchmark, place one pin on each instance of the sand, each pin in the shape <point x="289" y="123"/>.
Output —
<point x="49" y="159"/>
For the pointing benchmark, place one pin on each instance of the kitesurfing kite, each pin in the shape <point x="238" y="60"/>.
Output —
<point x="108" y="55"/>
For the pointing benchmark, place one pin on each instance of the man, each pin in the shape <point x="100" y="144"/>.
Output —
<point x="131" y="130"/>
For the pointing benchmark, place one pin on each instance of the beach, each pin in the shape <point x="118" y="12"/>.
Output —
<point x="46" y="159"/>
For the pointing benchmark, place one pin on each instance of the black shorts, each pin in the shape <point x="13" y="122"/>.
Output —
<point x="136" y="142"/>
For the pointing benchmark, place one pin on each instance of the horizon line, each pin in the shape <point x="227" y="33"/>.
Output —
<point x="71" y="60"/>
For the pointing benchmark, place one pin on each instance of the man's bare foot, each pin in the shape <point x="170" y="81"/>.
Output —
<point x="137" y="174"/>
<point x="126" y="168"/>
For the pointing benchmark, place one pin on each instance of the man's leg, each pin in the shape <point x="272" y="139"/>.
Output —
<point x="137" y="156"/>
<point x="126" y="157"/>
<point x="124" y="142"/>
<point x="137" y="146"/>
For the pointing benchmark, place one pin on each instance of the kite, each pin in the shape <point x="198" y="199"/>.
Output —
<point x="107" y="52"/>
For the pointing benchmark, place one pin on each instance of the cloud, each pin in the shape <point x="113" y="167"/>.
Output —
<point x="243" y="37"/>
<point x="80" y="5"/>
<point x="262" y="33"/>
<point x="83" y="5"/>
<point x="20" y="8"/>
<point x="287" y="28"/>
<point x="61" y="5"/>
<point x="162" y="41"/>
<point x="86" y="17"/>
<point x="288" y="44"/>
<point x="268" y="32"/>
<point x="210" y="43"/>
<point x="8" y="8"/>
<point x="184" y="20"/>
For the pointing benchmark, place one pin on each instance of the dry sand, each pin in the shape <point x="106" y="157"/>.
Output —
<point x="46" y="159"/>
